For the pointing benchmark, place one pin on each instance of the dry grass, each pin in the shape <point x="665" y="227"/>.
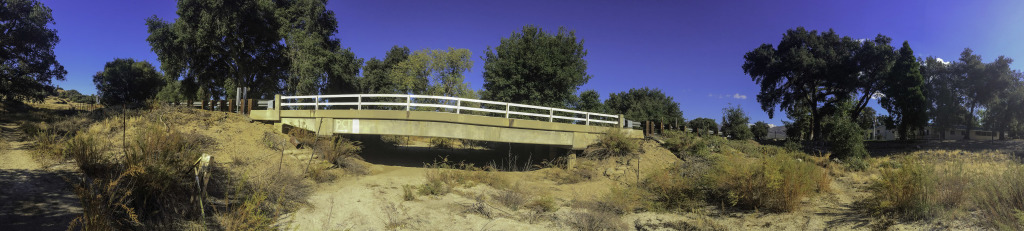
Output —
<point x="443" y="176"/>
<point x="513" y="197"/>
<point x="586" y="170"/>
<point x="932" y="183"/>
<point x="595" y="221"/>
<point x="614" y="143"/>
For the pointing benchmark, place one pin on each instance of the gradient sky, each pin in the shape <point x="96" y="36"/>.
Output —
<point x="691" y="51"/>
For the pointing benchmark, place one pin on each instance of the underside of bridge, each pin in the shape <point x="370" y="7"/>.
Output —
<point x="439" y="124"/>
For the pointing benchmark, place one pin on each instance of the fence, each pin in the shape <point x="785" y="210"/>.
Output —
<point x="447" y="104"/>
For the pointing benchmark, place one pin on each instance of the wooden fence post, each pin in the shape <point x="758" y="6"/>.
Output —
<point x="231" y="105"/>
<point x="205" y="103"/>
<point x="248" y="106"/>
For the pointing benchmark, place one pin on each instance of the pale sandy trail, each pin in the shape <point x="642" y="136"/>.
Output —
<point x="31" y="197"/>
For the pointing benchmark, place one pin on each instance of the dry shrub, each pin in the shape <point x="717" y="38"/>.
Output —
<point x="106" y="203"/>
<point x="622" y="200"/>
<point x="443" y="176"/>
<point x="776" y="183"/>
<point x="321" y="174"/>
<point x="247" y="216"/>
<point x="543" y="204"/>
<point x="614" y="143"/>
<point x="595" y="221"/>
<point x="154" y="180"/>
<point x="585" y="170"/>
<point x="344" y="153"/>
<point x="669" y="189"/>
<point x="907" y="190"/>
<point x="395" y="140"/>
<point x="442" y="143"/>
<point x="686" y="144"/>
<point x="407" y="193"/>
<point x="513" y="197"/>
<point x="47" y="145"/>
<point x="87" y="152"/>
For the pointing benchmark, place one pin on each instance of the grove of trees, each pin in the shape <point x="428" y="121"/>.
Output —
<point x="127" y="82"/>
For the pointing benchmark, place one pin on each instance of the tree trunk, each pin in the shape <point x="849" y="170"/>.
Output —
<point x="970" y="124"/>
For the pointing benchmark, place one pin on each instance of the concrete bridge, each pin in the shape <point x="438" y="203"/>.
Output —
<point x="440" y="116"/>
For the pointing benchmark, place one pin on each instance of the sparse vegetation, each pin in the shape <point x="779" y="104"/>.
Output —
<point x="615" y="143"/>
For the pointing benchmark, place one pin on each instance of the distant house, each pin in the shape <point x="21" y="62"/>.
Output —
<point x="931" y="133"/>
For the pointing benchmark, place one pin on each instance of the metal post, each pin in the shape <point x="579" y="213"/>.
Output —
<point x="551" y="114"/>
<point x="408" y="102"/>
<point x="458" y="106"/>
<point x="238" y="100"/>
<point x="316" y="103"/>
<point x="588" y="118"/>
<point x="359" y="102"/>
<point x="506" y="110"/>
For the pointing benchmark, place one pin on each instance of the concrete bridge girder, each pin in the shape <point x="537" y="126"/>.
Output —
<point x="441" y="124"/>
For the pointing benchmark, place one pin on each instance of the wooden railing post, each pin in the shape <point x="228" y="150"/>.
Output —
<point x="231" y="105"/>
<point x="359" y="102"/>
<point x="588" y="118"/>
<point x="408" y="102"/>
<point x="506" y="109"/>
<point x="205" y="103"/>
<point x="458" y="106"/>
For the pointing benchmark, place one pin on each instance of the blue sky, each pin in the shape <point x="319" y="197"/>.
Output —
<point x="691" y="50"/>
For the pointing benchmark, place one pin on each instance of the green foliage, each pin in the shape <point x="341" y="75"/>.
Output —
<point x="127" y="82"/>
<point x="734" y="124"/>
<point x="75" y="96"/>
<point x="589" y="101"/>
<point x="704" y="126"/>
<point x="760" y="130"/>
<point x="845" y="138"/>
<point x="26" y="51"/>
<point x="214" y="47"/>
<point x="534" y="67"/>
<point x="317" y="64"/>
<point x="904" y="93"/>
<point x="866" y="120"/>
<point x="645" y="104"/>
<point x="376" y="73"/>
<point x="433" y="72"/>
<point x="809" y="72"/>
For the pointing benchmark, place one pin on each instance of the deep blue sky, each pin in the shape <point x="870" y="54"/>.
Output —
<point x="691" y="51"/>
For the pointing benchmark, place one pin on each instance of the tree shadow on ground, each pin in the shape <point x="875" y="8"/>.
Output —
<point x="36" y="200"/>
<point x="888" y="148"/>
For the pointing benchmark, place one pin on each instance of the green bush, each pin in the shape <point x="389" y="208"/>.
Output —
<point x="845" y="138"/>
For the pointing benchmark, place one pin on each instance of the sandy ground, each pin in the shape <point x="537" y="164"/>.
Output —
<point x="32" y="197"/>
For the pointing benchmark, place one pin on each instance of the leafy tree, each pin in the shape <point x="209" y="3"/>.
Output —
<point x="806" y="71"/>
<point x="1006" y="112"/>
<point x="127" y="82"/>
<point x="589" y="101"/>
<point x="735" y="124"/>
<point x="376" y="72"/>
<point x="535" y="67"/>
<point x="760" y="130"/>
<point x="702" y="126"/>
<point x="171" y="91"/>
<point x="215" y="46"/>
<point x="317" y="63"/>
<point x="867" y="118"/>
<point x="645" y="104"/>
<point x="980" y="83"/>
<point x="945" y="106"/>
<point x="904" y="93"/>
<point x="433" y="72"/>
<point x="27" y="62"/>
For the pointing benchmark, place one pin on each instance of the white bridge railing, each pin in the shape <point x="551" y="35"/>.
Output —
<point x="459" y="105"/>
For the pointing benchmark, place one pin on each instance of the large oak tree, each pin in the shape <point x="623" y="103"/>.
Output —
<point x="27" y="62"/>
<point x="535" y="67"/>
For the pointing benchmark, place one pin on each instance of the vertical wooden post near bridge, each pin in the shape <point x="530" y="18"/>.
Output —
<point x="223" y="105"/>
<point x="231" y="105"/>
<point x="248" y="106"/>
<point x="205" y="104"/>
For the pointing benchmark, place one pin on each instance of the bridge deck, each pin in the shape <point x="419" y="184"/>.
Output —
<point x="439" y="124"/>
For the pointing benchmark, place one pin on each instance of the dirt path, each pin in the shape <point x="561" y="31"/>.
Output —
<point x="31" y="197"/>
